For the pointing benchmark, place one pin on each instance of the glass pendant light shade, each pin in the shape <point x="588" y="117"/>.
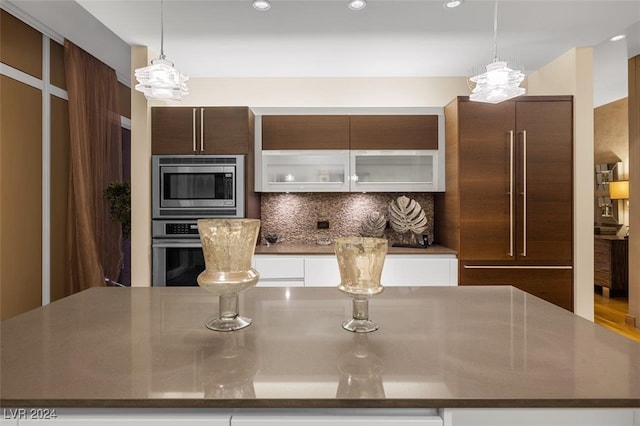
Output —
<point x="161" y="80"/>
<point x="498" y="84"/>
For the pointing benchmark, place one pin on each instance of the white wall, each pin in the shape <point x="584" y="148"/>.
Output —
<point x="140" y="177"/>
<point x="324" y="92"/>
<point x="572" y="74"/>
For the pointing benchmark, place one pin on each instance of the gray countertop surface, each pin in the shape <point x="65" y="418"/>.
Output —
<point x="436" y="347"/>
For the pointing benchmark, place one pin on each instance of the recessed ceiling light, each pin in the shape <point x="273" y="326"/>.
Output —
<point x="261" y="4"/>
<point x="618" y="37"/>
<point x="450" y="4"/>
<point x="357" y="4"/>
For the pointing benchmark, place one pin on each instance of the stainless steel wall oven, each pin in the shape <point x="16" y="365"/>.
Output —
<point x="186" y="188"/>
<point x="177" y="253"/>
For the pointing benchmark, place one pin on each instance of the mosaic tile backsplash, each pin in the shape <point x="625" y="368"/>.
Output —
<point x="294" y="216"/>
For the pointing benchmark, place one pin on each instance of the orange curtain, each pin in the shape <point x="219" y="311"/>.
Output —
<point x="94" y="241"/>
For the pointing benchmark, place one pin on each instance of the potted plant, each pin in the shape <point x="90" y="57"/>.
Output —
<point x="119" y="194"/>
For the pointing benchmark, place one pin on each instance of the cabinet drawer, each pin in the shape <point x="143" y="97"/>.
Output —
<point x="552" y="285"/>
<point x="280" y="283"/>
<point x="418" y="271"/>
<point x="601" y="262"/>
<point x="279" y="267"/>
<point x="335" y="420"/>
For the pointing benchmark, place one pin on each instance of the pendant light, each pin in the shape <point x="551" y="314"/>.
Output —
<point x="500" y="82"/>
<point x="161" y="80"/>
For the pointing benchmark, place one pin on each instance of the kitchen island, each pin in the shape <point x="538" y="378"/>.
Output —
<point x="444" y="351"/>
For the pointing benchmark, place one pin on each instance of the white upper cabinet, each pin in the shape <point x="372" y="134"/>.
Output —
<point x="394" y="171"/>
<point x="349" y="149"/>
<point x="305" y="171"/>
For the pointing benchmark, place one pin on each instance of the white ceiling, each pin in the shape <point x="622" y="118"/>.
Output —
<point x="323" y="38"/>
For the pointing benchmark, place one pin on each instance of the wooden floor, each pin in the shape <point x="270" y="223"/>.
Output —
<point x="610" y="313"/>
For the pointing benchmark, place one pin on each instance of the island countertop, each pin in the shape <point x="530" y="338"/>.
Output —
<point x="436" y="347"/>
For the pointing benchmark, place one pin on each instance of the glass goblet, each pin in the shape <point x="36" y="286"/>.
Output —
<point x="360" y="261"/>
<point x="228" y="246"/>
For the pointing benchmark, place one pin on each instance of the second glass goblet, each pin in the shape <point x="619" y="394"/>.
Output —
<point x="360" y="261"/>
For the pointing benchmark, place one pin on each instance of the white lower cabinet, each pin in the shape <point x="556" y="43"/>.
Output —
<point x="541" y="416"/>
<point x="321" y="271"/>
<point x="416" y="270"/>
<point x="399" y="270"/>
<point x="279" y="271"/>
<point x="130" y="417"/>
<point x="335" y="420"/>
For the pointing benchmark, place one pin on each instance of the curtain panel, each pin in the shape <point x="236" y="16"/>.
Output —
<point x="94" y="248"/>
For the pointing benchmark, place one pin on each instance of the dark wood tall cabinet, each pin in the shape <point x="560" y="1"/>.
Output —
<point x="509" y="208"/>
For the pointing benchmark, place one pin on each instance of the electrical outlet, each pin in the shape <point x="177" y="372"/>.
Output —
<point x="323" y="224"/>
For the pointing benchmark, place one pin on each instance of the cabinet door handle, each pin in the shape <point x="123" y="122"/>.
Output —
<point x="193" y="121"/>
<point x="510" y="193"/>
<point x="524" y="192"/>
<point x="201" y="129"/>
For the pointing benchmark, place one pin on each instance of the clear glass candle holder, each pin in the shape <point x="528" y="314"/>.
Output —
<point x="360" y="261"/>
<point x="228" y="246"/>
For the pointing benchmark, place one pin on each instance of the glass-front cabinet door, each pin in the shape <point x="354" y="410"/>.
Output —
<point x="402" y="170"/>
<point x="305" y="170"/>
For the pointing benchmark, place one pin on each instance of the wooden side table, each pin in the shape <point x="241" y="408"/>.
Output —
<point x="611" y="265"/>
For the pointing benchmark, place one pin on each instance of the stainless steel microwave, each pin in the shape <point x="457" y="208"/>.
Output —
<point x="197" y="186"/>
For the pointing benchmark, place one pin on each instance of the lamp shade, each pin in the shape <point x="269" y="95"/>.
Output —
<point x="498" y="84"/>
<point x="619" y="190"/>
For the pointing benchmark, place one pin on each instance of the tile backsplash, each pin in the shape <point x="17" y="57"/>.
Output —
<point x="294" y="216"/>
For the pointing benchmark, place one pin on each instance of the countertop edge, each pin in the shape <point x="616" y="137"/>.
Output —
<point x="322" y="403"/>
<point x="315" y="250"/>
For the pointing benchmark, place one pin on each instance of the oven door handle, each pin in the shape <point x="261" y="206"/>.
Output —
<point x="177" y="243"/>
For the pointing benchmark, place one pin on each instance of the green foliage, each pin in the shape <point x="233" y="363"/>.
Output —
<point x="119" y="194"/>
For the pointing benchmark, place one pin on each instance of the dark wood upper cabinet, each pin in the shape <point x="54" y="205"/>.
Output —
<point x="363" y="132"/>
<point x="394" y="132"/>
<point x="191" y="130"/>
<point x="225" y="130"/>
<point x="288" y="132"/>
<point x="173" y="131"/>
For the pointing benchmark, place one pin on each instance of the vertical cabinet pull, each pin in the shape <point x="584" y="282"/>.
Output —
<point x="193" y="121"/>
<point x="201" y="129"/>
<point x="510" y="193"/>
<point x="524" y="192"/>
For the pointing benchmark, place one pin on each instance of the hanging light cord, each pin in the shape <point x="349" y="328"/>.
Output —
<point x="495" y="32"/>
<point x="162" y="29"/>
